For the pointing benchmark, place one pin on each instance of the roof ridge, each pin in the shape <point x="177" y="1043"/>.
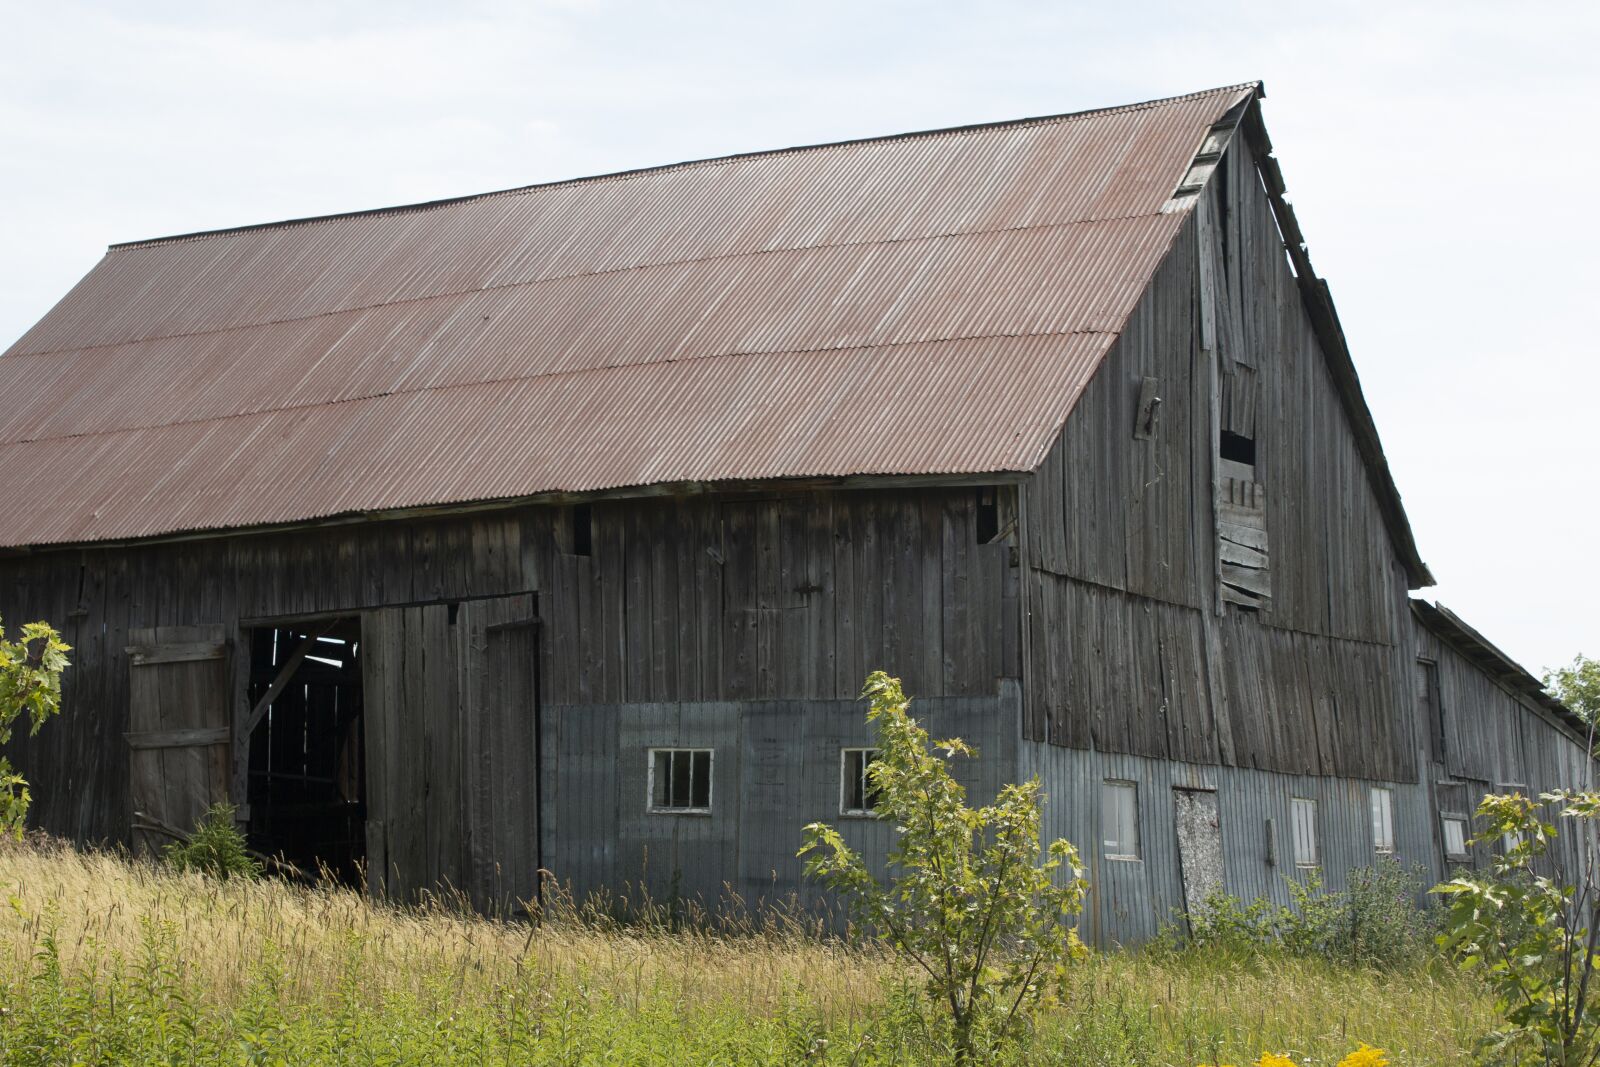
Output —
<point x="1257" y="87"/>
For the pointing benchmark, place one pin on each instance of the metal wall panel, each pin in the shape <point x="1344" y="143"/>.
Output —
<point x="1132" y="900"/>
<point x="776" y="768"/>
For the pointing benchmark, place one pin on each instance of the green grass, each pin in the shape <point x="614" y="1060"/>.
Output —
<point x="107" y="961"/>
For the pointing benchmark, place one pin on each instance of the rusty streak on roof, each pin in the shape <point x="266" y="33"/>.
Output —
<point x="924" y="304"/>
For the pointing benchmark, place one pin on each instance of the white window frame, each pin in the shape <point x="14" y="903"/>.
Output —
<point x="1303" y="822"/>
<point x="1382" y="805"/>
<point x="844" y="782"/>
<point x="1115" y="787"/>
<point x="650" y="780"/>
<point x="1465" y="823"/>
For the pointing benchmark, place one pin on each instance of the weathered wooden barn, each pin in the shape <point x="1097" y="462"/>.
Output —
<point x="558" y="527"/>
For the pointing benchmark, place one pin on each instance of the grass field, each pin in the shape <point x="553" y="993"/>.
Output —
<point x="107" y="961"/>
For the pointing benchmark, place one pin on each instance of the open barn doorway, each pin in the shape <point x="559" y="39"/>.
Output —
<point x="306" y="768"/>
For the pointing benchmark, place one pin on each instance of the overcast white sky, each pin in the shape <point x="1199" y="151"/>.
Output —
<point x="1442" y="158"/>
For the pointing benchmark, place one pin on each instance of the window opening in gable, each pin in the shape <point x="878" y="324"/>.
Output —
<point x="988" y="515"/>
<point x="1430" y="706"/>
<point x="1237" y="448"/>
<point x="582" y="530"/>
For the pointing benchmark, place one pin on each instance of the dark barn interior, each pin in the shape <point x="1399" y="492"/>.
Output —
<point x="307" y="764"/>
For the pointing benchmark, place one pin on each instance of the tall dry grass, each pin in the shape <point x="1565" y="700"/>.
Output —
<point x="157" y="965"/>
<point x="221" y="930"/>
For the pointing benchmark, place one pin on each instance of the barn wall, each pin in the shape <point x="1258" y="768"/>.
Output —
<point x="1493" y="740"/>
<point x="1130" y="901"/>
<point x="698" y="599"/>
<point x="1492" y="735"/>
<point x="776" y="768"/>
<point x="1127" y="651"/>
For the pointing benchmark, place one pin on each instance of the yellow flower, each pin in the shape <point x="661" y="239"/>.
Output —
<point x="1272" y="1059"/>
<point x="1366" y="1056"/>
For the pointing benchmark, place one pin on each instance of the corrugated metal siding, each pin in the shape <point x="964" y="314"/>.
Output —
<point x="923" y="304"/>
<point x="1131" y="901"/>
<point x="776" y="768"/>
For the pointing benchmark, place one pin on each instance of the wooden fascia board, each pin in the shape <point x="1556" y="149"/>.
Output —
<point x="1318" y="302"/>
<point x="732" y="488"/>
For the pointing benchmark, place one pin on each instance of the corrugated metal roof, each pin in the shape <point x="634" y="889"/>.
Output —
<point x="923" y="304"/>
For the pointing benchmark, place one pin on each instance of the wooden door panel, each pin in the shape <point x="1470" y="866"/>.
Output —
<point x="180" y="729"/>
<point x="450" y="698"/>
<point x="498" y="639"/>
<point x="410" y="712"/>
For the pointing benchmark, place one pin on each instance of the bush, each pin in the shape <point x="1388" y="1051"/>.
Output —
<point x="969" y="901"/>
<point x="215" y="847"/>
<point x="30" y="683"/>
<point x="1376" y="921"/>
<point x="1531" y="927"/>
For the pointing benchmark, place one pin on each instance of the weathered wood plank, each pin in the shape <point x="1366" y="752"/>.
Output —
<point x="144" y="655"/>
<point x="203" y="736"/>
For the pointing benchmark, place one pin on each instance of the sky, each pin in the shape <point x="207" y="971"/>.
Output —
<point x="1441" y="158"/>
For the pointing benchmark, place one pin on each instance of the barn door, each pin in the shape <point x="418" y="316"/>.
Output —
<point x="449" y="705"/>
<point x="498" y="639"/>
<point x="179" y="729"/>
<point x="1199" y="846"/>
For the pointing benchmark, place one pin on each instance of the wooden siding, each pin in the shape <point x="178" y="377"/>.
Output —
<point x="788" y="596"/>
<point x="1126" y="649"/>
<point x="1493" y="736"/>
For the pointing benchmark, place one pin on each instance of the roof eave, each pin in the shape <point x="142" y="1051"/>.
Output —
<point x="1336" y="351"/>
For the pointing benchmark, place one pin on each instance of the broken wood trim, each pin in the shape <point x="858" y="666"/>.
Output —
<point x="192" y="738"/>
<point x="1335" y="350"/>
<point x="514" y="624"/>
<point x="285" y="676"/>
<point x="186" y="652"/>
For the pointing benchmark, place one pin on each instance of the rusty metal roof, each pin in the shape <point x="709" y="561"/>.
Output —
<point x="930" y="303"/>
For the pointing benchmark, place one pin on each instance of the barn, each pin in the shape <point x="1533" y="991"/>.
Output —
<point x="556" y="528"/>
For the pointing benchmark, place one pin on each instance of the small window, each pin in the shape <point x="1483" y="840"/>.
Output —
<point x="1455" y="837"/>
<point x="856" y="793"/>
<point x="1382" y="820"/>
<point x="582" y="530"/>
<point x="680" y="780"/>
<point x="1304" y="814"/>
<point x="987" y="515"/>
<point x="1119" y="819"/>
<point x="1237" y="448"/>
<point x="1428" y="704"/>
